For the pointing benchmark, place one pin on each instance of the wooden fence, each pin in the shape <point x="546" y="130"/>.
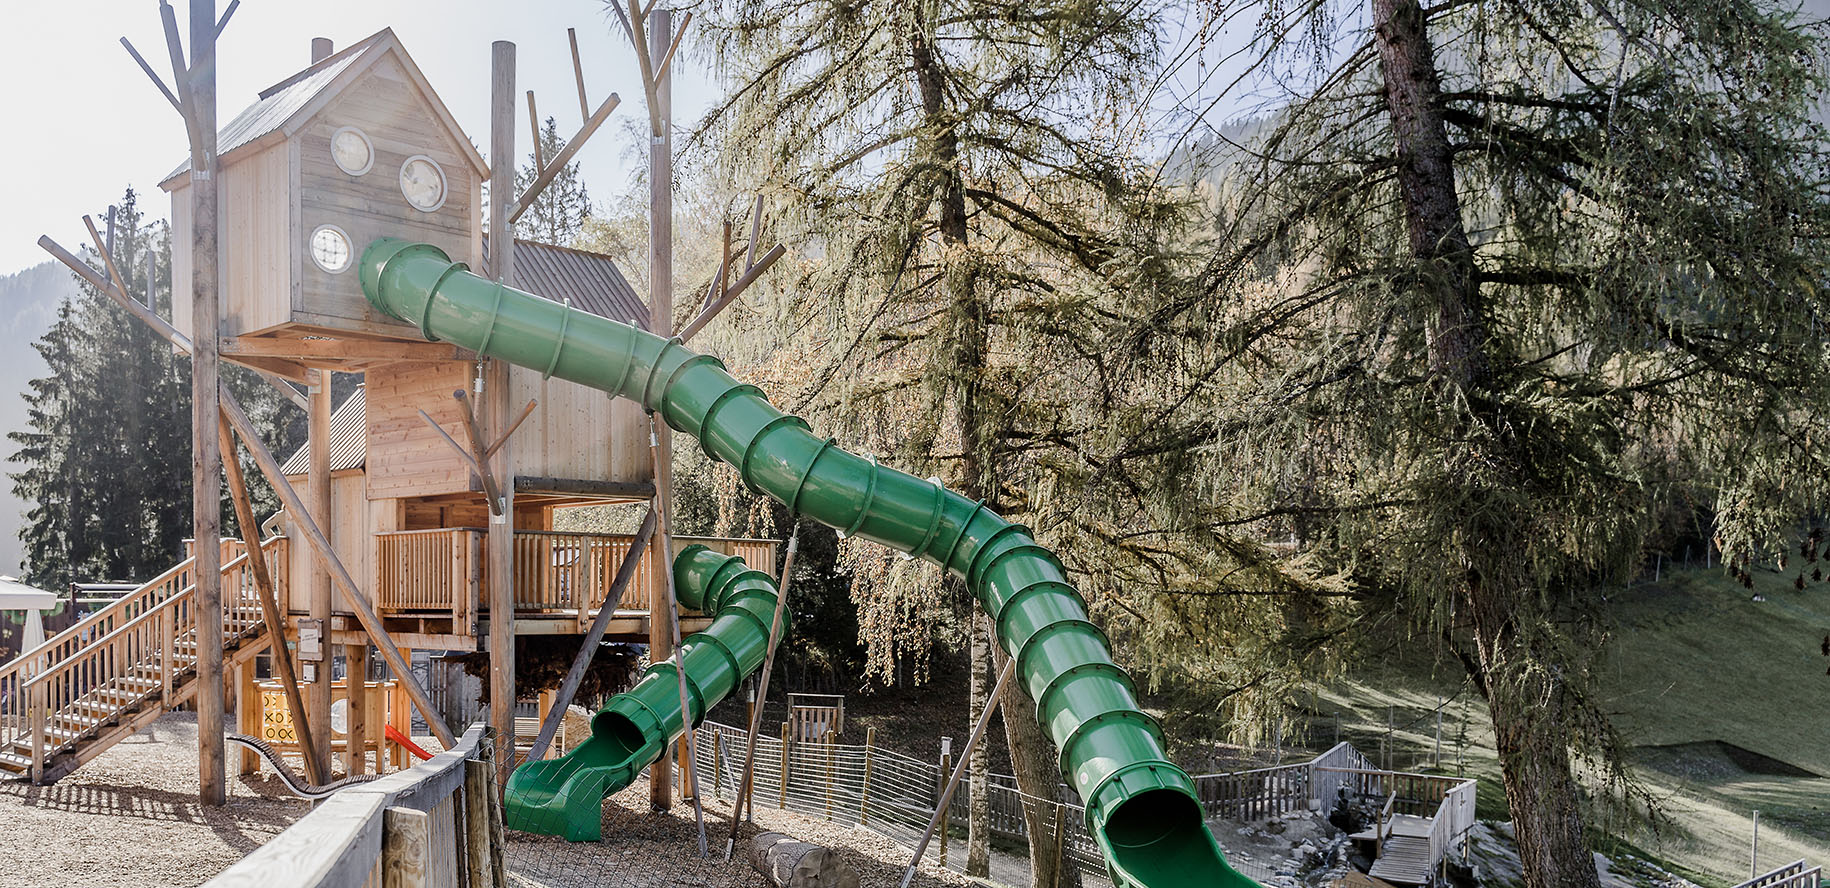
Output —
<point x="436" y="825"/>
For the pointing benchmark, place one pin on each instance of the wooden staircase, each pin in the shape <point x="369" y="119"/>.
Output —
<point x="115" y="671"/>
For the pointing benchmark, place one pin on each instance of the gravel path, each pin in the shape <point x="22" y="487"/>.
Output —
<point x="131" y="818"/>
<point x="642" y="850"/>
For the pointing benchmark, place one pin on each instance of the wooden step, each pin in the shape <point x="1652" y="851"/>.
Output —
<point x="15" y="764"/>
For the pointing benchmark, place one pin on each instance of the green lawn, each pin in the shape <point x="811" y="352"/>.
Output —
<point x="1725" y="701"/>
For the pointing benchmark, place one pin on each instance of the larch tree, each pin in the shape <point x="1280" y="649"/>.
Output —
<point x="1498" y="287"/>
<point x="955" y="175"/>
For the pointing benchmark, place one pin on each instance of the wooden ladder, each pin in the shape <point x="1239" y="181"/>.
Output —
<point x="115" y="671"/>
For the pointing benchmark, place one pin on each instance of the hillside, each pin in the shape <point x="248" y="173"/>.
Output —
<point x="30" y="298"/>
<point x="1722" y="699"/>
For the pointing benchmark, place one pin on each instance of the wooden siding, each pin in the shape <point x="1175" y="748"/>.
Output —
<point x="398" y="120"/>
<point x="352" y="530"/>
<point x="256" y="249"/>
<point x="405" y="456"/>
<point x="578" y="432"/>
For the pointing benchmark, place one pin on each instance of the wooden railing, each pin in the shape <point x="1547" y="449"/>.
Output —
<point x="134" y="647"/>
<point x="1454" y="817"/>
<point x="1417" y="794"/>
<point x="444" y="569"/>
<point x="1796" y="874"/>
<point x="437" y="825"/>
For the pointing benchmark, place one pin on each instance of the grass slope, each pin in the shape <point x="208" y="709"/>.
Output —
<point x="1723" y="699"/>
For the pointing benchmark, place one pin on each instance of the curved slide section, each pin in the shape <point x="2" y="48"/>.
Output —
<point x="1141" y="807"/>
<point x="564" y="796"/>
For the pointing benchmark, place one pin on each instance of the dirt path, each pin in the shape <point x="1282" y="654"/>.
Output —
<point x="131" y="818"/>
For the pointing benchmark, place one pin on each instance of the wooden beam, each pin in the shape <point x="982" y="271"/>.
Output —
<point x="340" y="349"/>
<point x="280" y="367"/>
<point x="747" y="785"/>
<point x="965" y="756"/>
<point x="730" y="295"/>
<point x="564" y="157"/>
<point x="660" y="71"/>
<point x="659" y="95"/>
<point x="474" y="431"/>
<point x="270" y="607"/>
<point x="107" y="253"/>
<point x="462" y="451"/>
<point x="512" y="426"/>
<point x="226" y="15"/>
<point x="588" y="646"/>
<point x="156" y="79"/>
<point x="296" y="397"/>
<point x="133" y="306"/>
<point x="629" y="490"/>
<point x="578" y="74"/>
<point x="533" y="127"/>
<point x="320" y="546"/>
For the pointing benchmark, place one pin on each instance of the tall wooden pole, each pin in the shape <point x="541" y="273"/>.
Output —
<point x="661" y="322"/>
<point x="501" y="542"/>
<point x="206" y="455"/>
<point x="320" y="600"/>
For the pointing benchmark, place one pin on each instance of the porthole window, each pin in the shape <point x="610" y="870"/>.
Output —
<point x="331" y="249"/>
<point x="352" y="151"/>
<point x="422" y="183"/>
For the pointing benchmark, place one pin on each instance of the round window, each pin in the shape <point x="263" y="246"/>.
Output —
<point x="351" y="150"/>
<point x="331" y="250"/>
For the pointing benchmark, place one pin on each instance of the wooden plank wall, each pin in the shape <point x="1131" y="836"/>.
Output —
<point x="405" y="457"/>
<point x="578" y="431"/>
<point x="352" y="531"/>
<point x="394" y="115"/>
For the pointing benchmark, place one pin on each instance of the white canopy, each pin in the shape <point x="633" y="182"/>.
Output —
<point x="15" y="595"/>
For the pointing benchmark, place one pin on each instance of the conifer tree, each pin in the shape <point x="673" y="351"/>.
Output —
<point x="559" y="213"/>
<point x="1504" y="285"/>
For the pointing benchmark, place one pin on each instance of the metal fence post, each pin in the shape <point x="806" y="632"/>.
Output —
<point x="864" y="794"/>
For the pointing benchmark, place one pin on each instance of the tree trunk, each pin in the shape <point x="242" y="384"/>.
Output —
<point x="788" y="863"/>
<point x="1525" y="698"/>
<point x="978" y="820"/>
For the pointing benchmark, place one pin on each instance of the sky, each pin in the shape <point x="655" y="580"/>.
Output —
<point x="85" y="122"/>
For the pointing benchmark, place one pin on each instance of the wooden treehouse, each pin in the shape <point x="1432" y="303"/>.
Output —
<point x="354" y="147"/>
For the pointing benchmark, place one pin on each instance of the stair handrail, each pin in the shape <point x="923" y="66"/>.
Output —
<point x="67" y="664"/>
<point x="58" y="647"/>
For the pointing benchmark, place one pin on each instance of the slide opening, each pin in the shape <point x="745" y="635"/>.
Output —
<point x="1150" y="817"/>
<point x="617" y="729"/>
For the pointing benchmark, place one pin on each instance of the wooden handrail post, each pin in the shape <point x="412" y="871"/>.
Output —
<point x="168" y="653"/>
<point x="39" y="703"/>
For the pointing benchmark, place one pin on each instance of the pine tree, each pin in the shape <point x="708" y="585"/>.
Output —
<point x="559" y="213"/>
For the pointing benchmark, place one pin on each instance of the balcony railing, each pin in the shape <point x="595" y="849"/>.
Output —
<point x="446" y="569"/>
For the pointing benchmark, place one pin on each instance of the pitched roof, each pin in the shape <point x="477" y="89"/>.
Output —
<point x="591" y="281"/>
<point x="348" y="440"/>
<point x="286" y="105"/>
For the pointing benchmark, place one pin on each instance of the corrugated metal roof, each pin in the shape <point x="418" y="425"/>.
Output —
<point x="348" y="440"/>
<point x="280" y="101"/>
<point x="590" y="280"/>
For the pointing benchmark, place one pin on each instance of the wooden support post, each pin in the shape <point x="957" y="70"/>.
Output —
<point x="689" y="752"/>
<point x="783" y="803"/>
<point x="168" y="652"/>
<point x="400" y="710"/>
<point x="319" y="598"/>
<point x="581" y="661"/>
<point x="661" y="319"/>
<point x="271" y="613"/>
<point x="1060" y="845"/>
<point x="320" y="545"/>
<point x="199" y="91"/>
<point x="746" y="787"/>
<point x="501" y="542"/>
<point x="864" y="792"/>
<point x="939" y="821"/>
<point x="406" y="839"/>
<point x="356" y="697"/>
<point x="829" y="774"/>
<point x="248" y="705"/>
<point x="479" y="794"/>
<point x="37" y="711"/>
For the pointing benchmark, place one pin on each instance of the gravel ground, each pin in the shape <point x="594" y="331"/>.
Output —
<point x="642" y="850"/>
<point x="131" y="818"/>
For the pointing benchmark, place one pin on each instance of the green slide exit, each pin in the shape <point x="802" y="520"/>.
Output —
<point x="564" y="796"/>
<point x="1141" y="808"/>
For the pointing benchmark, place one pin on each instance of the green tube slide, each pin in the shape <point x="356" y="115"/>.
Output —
<point x="1141" y="808"/>
<point x="564" y="796"/>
